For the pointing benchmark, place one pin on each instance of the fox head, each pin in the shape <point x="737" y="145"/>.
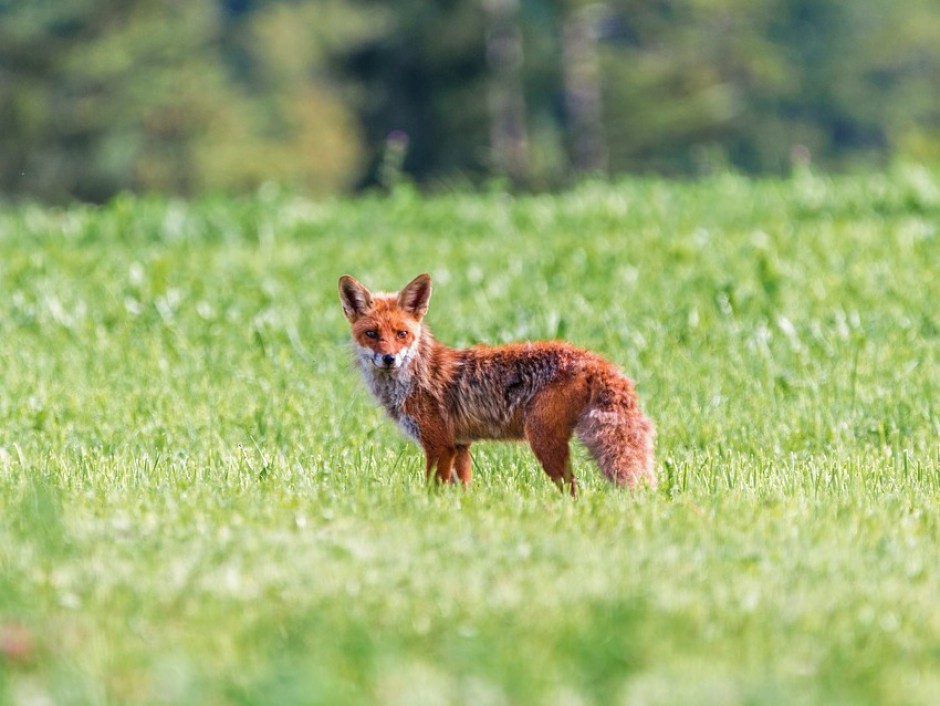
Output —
<point x="386" y="328"/>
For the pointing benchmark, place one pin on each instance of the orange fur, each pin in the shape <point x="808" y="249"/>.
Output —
<point x="447" y="398"/>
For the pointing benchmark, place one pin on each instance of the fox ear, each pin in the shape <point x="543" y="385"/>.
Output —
<point x="356" y="299"/>
<point x="415" y="296"/>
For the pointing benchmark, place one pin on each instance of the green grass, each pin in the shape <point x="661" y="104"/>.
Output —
<point x="199" y="504"/>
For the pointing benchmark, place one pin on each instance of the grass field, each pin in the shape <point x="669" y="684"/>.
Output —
<point x="199" y="504"/>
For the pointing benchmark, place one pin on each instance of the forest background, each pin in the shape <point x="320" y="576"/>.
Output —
<point x="330" y="96"/>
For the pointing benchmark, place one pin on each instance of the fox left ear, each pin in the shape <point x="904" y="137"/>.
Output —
<point x="356" y="299"/>
<point x="415" y="296"/>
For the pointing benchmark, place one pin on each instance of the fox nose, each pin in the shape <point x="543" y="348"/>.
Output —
<point x="388" y="359"/>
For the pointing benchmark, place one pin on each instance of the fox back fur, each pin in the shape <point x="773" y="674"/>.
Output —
<point x="446" y="398"/>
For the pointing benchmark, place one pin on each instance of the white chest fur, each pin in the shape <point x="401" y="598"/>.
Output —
<point x="391" y="388"/>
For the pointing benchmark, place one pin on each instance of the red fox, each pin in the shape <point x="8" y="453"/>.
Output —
<point x="446" y="398"/>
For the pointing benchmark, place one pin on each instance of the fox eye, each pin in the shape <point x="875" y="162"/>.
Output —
<point x="372" y="334"/>
<point x="402" y="335"/>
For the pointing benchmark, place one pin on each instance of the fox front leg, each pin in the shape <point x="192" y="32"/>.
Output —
<point x="441" y="459"/>
<point x="462" y="464"/>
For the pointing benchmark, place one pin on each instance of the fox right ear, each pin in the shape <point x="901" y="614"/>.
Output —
<point x="356" y="299"/>
<point x="414" y="297"/>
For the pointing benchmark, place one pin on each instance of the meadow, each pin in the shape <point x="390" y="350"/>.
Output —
<point x="200" y="504"/>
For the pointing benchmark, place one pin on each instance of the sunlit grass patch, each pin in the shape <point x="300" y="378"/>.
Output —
<point x="201" y="504"/>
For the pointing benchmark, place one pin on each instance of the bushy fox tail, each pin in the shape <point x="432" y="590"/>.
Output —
<point x="617" y="433"/>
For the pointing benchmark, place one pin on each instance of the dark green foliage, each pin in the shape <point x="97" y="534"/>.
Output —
<point x="99" y="96"/>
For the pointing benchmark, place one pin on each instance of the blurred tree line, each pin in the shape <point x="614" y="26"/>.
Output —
<point x="185" y="96"/>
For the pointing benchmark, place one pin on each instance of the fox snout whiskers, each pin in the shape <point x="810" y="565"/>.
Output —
<point x="385" y="361"/>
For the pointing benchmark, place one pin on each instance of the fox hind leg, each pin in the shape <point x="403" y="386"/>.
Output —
<point x="555" y="459"/>
<point x="548" y="427"/>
